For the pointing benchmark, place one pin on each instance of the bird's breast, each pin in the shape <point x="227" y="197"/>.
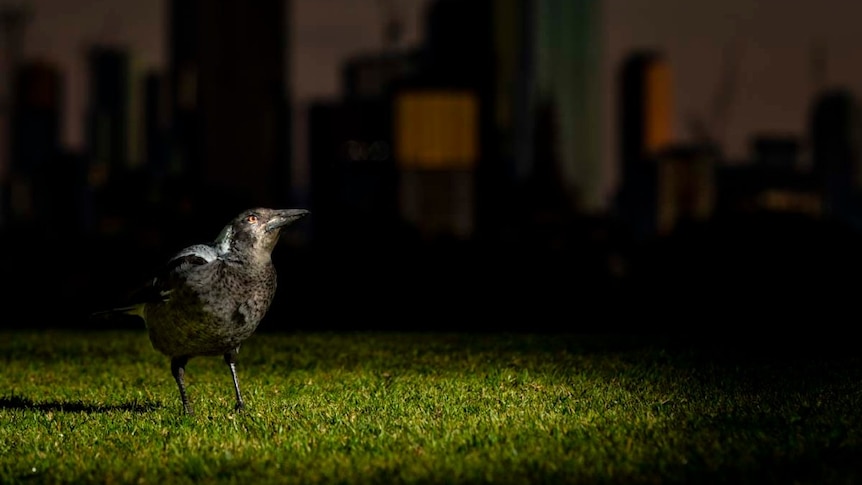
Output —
<point x="212" y="311"/>
<point x="240" y="298"/>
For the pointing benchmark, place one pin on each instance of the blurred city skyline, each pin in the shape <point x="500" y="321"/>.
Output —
<point x="587" y="142"/>
<point x="766" y="59"/>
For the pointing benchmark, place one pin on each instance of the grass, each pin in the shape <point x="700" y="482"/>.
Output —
<point x="101" y="407"/>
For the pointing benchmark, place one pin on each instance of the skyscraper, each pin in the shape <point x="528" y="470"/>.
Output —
<point x="568" y="63"/>
<point x="37" y="112"/>
<point x="35" y="142"/>
<point x="444" y="139"/>
<point x="13" y="23"/>
<point x="230" y="99"/>
<point x="836" y="133"/>
<point x="645" y="107"/>
<point x="109" y="111"/>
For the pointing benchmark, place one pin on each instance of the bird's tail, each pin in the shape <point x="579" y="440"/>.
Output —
<point x="112" y="314"/>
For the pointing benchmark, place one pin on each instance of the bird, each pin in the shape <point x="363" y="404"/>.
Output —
<point x="209" y="298"/>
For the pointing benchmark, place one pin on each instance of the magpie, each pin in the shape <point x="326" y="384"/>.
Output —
<point x="209" y="298"/>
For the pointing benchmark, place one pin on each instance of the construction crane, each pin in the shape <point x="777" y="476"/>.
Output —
<point x="712" y="131"/>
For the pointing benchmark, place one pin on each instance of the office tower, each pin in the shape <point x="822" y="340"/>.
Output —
<point x="437" y="148"/>
<point x="645" y="129"/>
<point x="35" y="143"/>
<point x="37" y="110"/>
<point x="685" y="186"/>
<point x="109" y="126"/>
<point x="230" y="95"/>
<point x="353" y="176"/>
<point x="13" y="24"/>
<point x="835" y="150"/>
<point x="528" y="64"/>
<point x="444" y="141"/>
<point x="353" y="173"/>
<point x="645" y="105"/>
<point x="155" y="125"/>
<point x="568" y="63"/>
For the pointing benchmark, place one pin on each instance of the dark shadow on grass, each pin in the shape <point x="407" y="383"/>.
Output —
<point x="18" y="402"/>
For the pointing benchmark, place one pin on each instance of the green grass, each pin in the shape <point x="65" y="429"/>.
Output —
<point x="364" y="408"/>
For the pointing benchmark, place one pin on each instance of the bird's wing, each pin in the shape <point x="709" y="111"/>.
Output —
<point x="170" y="275"/>
<point x="174" y="272"/>
<point x="190" y="257"/>
<point x="159" y="288"/>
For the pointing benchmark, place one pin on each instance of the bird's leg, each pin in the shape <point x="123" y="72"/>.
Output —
<point x="178" y="369"/>
<point x="230" y="360"/>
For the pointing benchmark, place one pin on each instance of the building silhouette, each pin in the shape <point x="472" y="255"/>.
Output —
<point x="155" y="126"/>
<point x="229" y="101"/>
<point x="444" y="140"/>
<point x="775" y="179"/>
<point x="13" y="25"/>
<point x="354" y="177"/>
<point x="568" y="65"/>
<point x="353" y="174"/>
<point x="644" y="130"/>
<point x="400" y="149"/>
<point x="835" y="150"/>
<point x="685" y="186"/>
<point x="464" y="110"/>
<point x="109" y="124"/>
<point x="35" y="143"/>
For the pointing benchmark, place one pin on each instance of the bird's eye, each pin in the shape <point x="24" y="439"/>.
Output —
<point x="251" y="219"/>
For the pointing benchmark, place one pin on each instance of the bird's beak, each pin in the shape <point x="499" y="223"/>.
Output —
<point x="285" y="217"/>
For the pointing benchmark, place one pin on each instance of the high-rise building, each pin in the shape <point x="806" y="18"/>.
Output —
<point x="646" y="107"/>
<point x="110" y="121"/>
<point x="836" y="150"/>
<point x="685" y="186"/>
<point x="568" y="65"/>
<point x="155" y="125"/>
<point x="465" y="108"/>
<point x="13" y="23"/>
<point x="35" y="143"/>
<point x="528" y="64"/>
<point x="437" y="148"/>
<point x="230" y="92"/>
<point x="645" y="130"/>
<point x="37" y="110"/>
<point x="514" y="96"/>
<point x="444" y="140"/>
<point x="353" y="173"/>
<point x="353" y="176"/>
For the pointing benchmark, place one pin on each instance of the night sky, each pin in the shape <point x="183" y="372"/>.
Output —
<point x="773" y="82"/>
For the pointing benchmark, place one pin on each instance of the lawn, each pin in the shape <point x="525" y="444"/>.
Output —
<point x="358" y="408"/>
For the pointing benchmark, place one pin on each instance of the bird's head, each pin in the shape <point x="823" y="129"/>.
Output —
<point x="254" y="233"/>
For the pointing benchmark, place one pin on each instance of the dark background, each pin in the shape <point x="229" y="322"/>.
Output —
<point x="489" y="207"/>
